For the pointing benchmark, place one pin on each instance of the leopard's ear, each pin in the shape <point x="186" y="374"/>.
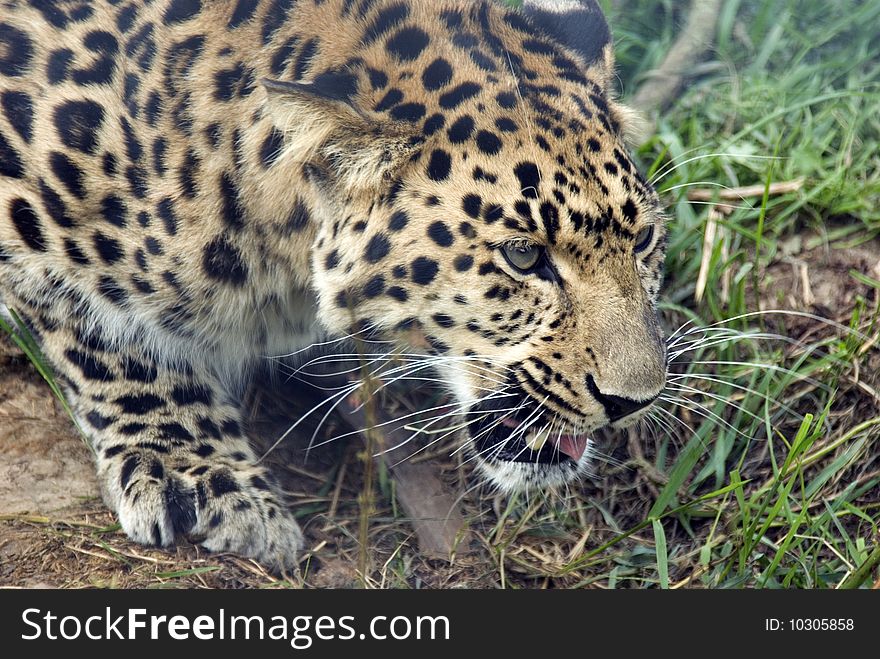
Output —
<point x="578" y="24"/>
<point x="581" y="26"/>
<point x="322" y="127"/>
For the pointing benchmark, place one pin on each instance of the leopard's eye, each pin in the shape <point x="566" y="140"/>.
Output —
<point x="644" y="238"/>
<point x="522" y="257"/>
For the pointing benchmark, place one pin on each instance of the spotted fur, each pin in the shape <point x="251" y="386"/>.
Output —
<point x="187" y="186"/>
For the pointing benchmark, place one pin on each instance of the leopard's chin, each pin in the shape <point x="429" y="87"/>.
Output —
<point x="509" y="476"/>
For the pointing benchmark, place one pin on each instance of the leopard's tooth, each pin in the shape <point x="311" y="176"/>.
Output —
<point x="536" y="440"/>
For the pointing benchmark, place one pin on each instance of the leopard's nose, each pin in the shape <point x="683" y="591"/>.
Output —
<point x="616" y="407"/>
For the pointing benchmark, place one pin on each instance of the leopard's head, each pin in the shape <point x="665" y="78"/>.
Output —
<point x="479" y="203"/>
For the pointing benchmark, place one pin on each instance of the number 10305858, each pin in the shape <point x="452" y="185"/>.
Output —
<point x="809" y="624"/>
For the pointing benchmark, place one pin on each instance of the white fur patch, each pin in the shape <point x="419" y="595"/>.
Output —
<point x="511" y="477"/>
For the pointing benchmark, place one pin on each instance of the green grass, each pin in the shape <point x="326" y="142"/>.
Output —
<point x="21" y="337"/>
<point x="791" y="92"/>
<point x="796" y="81"/>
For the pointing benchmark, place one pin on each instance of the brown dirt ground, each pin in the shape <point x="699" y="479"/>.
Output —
<point x="55" y="532"/>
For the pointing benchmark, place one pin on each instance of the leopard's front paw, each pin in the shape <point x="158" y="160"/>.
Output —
<point x="220" y="507"/>
<point x="239" y="512"/>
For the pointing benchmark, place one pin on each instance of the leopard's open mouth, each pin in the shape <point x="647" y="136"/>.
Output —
<point x="523" y="435"/>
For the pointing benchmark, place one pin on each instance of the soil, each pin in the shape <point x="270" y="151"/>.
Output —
<point x="46" y="466"/>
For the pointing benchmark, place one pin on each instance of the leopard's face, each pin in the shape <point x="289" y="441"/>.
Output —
<point x="475" y="200"/>
<point x="532" y="273"/>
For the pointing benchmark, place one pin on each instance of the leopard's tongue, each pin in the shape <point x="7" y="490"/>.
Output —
<point x="573" y="446"/>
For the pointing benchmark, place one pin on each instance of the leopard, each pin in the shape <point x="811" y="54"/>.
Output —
<point x="190" y="186"/>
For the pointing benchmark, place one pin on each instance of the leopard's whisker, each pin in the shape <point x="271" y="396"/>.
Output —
<point x="392" y="356"/>
<point x="695" y="335"/>
<point x="443" y="434"/>
<point x="546" y="426"/>
<point x="415" y="368"/>
<point x="486" y="431"/>
<point x="479" y="435"/>
<point x="340" y="395"/>
<point x="685" y="389"/>
<point x="458" y="408"/>
<point x="798" y="314"/>
<point x="693" y="184"/>
<point x="405" y="371"/>
<point x="358" y="364"/>
<point x="388" y="383"/>
<point x="330" y="342"/>
<point x="672" y="416"/>
<point x="424" y="378"/>
<point x="339" y="398"/>
<point x="327" y="414"/>
<point x="360" y="406"/>
<point x="713" y="333"/>
<point x="715" y="341"/>
<point x="703" y="411"/>
<point x="723" y="334"/>
<point x="434" y="441"/>
<point x="673" y="166"/>
<point x="721" y="204"/>
<point x="555" y="422"/>
<point x="522" y="113"/>
<point x="522" y="427"/>
<point x="798" y="377"/>
<point x="459" y="411"/>
<point x="655" y="417"/>
<point x="677" y="379"/>
<point x="684" y="154"/>
<point x="681" y="328"/>
<point x="607" y="458"/>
